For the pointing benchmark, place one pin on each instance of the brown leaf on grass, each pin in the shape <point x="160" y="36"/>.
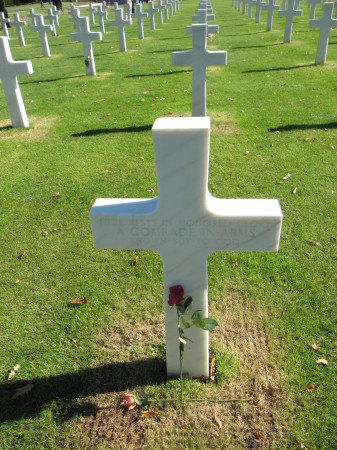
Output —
<point x="44" y="233"/>
<point x="150" y="190"/>
<point x="56" y="195"/>
<point x="100" y="100"/>
<point x="322" y="362"/>
<point x="312" y="242"/>
<point x="211" y="366"/>
<point x="18" y="281"/>
<point x="303" y="447"/>
<point x="273" y="390"/>
<point x="22" y="255"/>
<point x="313" y="347"/>
<point x="217" y="420"/>
<point x="295" y="190"/>
<point x="287" y="176"/>
<point x="149" y="414"/>
<point x="233" y="263"/>
<point x="306" y="139"/>
<point x="13" y="372"/>
<point x="334" y="238"/>
<point x="136" y="262"/>
<point x="79" y="301"/>
<point x="22" y="391"/>
<point x="310" y="387"/>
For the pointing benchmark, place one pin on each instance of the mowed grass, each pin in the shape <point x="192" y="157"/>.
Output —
<point x="273" y="113"/>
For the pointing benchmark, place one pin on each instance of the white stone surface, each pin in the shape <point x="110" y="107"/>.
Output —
<point x="244" y="4"/>
<point x="42" y="29"/>
<point x="120" y="23"/>
<point x="52" y="20"/>
<point x="213" y="29"/>
<point x="325" y="24"/>
<point x="9" y="69"/>
<point x="91" y="10"/>
<point x="250" y="6"/>
<point x="140" y="15"/>
<point x="151" y="12"/>
<point x="161" y="7"/>
<point x="169" y="7"/>
<point x="32" y="16"/>
<point x="185" y="224"/>
<point x="56" y="12"/>
<point x="199" y="58"/>
<point x="312" y="4"/>
<point x="202" y="16"/>
<point x="86" y="37"/>
<point x="3" y="22"/>
<point x="18" y="24"/>
<point x="258" y="5"/>
<point x="101" y="16"/>
<point x="289" y="14"/>
<point x="270" y="7"/>
<point x="75" y="16"/>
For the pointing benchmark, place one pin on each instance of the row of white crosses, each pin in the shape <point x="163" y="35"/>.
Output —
<point x="325" y="23"/>
<point x="185" y="223"/>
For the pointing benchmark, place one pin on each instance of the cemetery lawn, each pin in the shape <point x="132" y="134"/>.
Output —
<point x="274" y="135"/>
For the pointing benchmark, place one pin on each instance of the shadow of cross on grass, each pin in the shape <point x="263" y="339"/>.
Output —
<point x="65" y="390"/>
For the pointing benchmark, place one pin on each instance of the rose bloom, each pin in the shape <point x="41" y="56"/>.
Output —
<point x="210" y="36"/>
<point x="129" y="401"/>
<point x="176" y="294"/>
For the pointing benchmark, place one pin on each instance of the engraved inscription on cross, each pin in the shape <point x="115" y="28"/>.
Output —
<point x="185" y="224"/>
<point x="199" y="58"/>
<point x="9" y="70"/>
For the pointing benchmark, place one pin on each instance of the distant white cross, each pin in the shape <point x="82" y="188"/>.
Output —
<point x="244" y="3"/>
<point x="169" y="7"/>
<point x="42" y="29"/>
<point x="75" y="16"/>
<point x="18" y="23"/>
<point x="92" y="10"/>
<point x="270" y="7"/>
<point x="52" y="20"/>
<point x="199" y="58"/>
<point x="32" y="16"/>
<point x="9" y="69"/>
<point x="250" y="5"/>
<point x="101" y="15"/>
<point x="120" y="23"/>
<point x="312" y="4"/>
<point x="4" y="21"/>
<point x="139" y="15"/>
<point x="86" y="37"/>
<point x="325" y="24"/>
<point x="161" y="7"/>
<point x="202" y="16"/>
<point x="185" y="224"/>
<point x="151" y="12"/>
<point x="56" y="12"/>
<point x="289" y="13"/>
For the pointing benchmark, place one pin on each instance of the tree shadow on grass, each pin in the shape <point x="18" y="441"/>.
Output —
<point x="113" y="130"/>
<point x="156" y="74"/>
<point x="275" y="69"/>
<point x="68" y="391"/>
<point x="310" y="126"/>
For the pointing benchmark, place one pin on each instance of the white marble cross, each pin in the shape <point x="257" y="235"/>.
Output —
<point x="139" y="15"/>
<point x="169" y="8"/>
<point x="213" y="29"/>
<point x="325" y="23"/>
<point x="312" y="5"/>
<point x="250" y="6"/>
<point x="258" y="5"/>
<point x="86" y="37"/>
<point x="120" y="23"/>
<point x="151" y="12"/>
<point x="101" y="15"/>
<point x="167" y="11"/>
<point x="18" y="23"/>
<point x="75" y="16"/>
<point x="9" y="69"/>
<point x="184" y="224"/>
<point x="161" y="7"/>
<point x="32" y="16"/>
<point x="3" y="22"/>
<point x="270" y="7"/>
<point x="289" y="13"/>
<point x="202" y="16"/>
<point x="42" y="29"/>
<point x="52" y="20"/>
<point x="105" y="7"/>
<point x="92" y="10"/>
<point x="56" y="12"/>
<point x="244" y="3"/>
<point x="199" y="58"/>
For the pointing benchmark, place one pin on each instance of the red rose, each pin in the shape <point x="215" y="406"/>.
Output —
<point x="176" y="294"/>
<point x="129" y="401"/>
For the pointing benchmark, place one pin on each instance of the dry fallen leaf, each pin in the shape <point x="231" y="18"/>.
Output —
<point x="22" y="391"/>
<point x="287" y="176"/>
<point x="22" y="255"/>
<point x="313" y="347"/>
<point x="334" y="238"/>
<point x="150" y="190"/>
<point x="306" y="139"/>
<point x="56" y="195"/>
<point x="101" y="100"/>
<point x="303" y="447"/>
<point x="44" y="233"/>
<point x="149" y="414"/>
<point x="314" y="243"/>
<point x="136" y="262"/>
<point x="18" y="281"/>
<point x="13" y="372"/>
<point x="322" y="362"/>
<point x="79" y="301"/>
<point x="217" y="420"/>
<point x="211" y="366"/>
<point x="295" y="190"/>
<point x="310" y="387"/>
<point x="233" y="263"/>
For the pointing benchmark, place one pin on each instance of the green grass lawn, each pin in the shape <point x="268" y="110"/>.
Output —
<point x="273" y="113"/>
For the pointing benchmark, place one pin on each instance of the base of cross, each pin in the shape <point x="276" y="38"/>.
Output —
<point x="185" y="224"/>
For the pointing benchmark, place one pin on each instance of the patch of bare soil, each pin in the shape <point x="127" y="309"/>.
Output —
<point x="249" y="425"/>
<point x="38" y="129"/>
<point x="220" y="122"/>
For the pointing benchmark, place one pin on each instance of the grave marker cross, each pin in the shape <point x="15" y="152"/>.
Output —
<point x="270" y="7"/>
<point x="56" y="12"/>
<point x="161" y="7"/>
<point x="4" y="21"/>
<point x="92" y="10"/>
<point x="120" y="23"/>
<point x="18" y="23"/>
<point x="42" y="29"/>
<point x="101" y="15"/>
<point x="199" y="58"/>
<point x="75" y="16"/>
<point x="185" y="224"/>
<point x="325" y="23"/>
<point x="32" y="16"/>
<point x="312" y="5"/>
<point x="151" y="12"/>
<point x="201" y="16"/>
<point x="86" y="37"/>
<point x="52" y="20"/>
<point x="9" y="69"/>
<point x="139" y="15"/>
<point x="289" y="13"/>
<point x="258" y="4"/>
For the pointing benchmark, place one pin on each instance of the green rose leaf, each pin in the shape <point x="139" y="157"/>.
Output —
<point x="210" y="324"/>
<point x="180" y="307"/>
<point x="186" y="324"/>
<point x="188" y="303"/>
<point x="142" y="399"/>
<point x="197" y="315"/>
